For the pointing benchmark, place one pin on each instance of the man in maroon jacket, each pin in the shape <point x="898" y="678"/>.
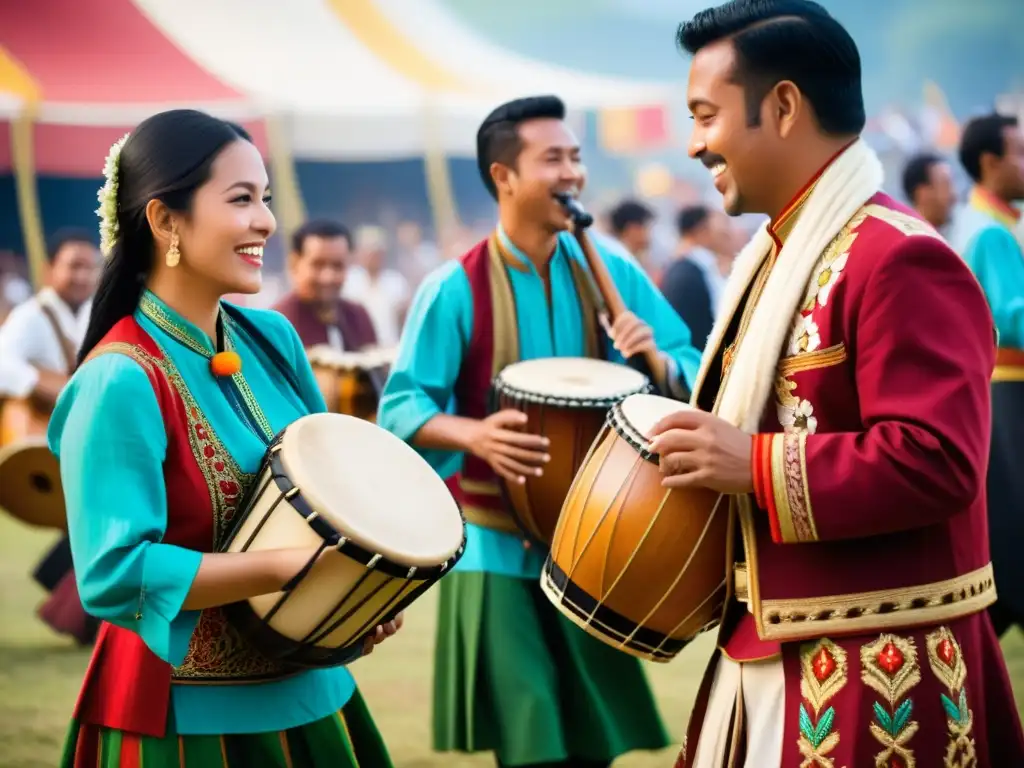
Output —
<point x="317" y="264"/>
<point x="844" y="415"/>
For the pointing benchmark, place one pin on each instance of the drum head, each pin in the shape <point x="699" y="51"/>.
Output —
<point x="373" y="488"/>
<point x="637" y="414"/>
<point x="30" y="487"/>
<point x="571" y="378"/>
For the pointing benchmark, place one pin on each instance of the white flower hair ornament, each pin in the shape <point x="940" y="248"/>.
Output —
<point x="108" y="199"/>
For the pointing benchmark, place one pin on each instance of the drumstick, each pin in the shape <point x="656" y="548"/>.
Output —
<point x="650" y="364"/>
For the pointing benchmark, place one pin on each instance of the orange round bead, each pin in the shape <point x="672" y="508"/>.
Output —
<point x="225" y="363"/>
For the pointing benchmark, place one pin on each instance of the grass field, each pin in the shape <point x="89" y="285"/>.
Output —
<point x="40" y="674"/>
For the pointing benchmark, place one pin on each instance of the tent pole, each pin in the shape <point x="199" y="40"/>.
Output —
<point x="285" y="182"/>
<point x="23" y="163"/>
<point x="435" y="163"/>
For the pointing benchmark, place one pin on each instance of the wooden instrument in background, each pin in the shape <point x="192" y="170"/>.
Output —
<point x="651" y="364"/>
<point x="351" y="382"/>
<point x="30" y="487"/>
<point x="21" y="417"/>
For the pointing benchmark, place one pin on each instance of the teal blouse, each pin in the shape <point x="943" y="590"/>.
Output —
<point x="108" y="433"/>
<point x="431" y="350"/>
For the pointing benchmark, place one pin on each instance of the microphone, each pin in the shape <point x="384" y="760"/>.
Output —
<point x="572" y="207"/>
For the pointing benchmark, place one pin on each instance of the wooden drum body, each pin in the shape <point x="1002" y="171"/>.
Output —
<point x="383" y="523"/>
<point x="639" y="566"/>
<point x="351" y="382"/>
<point x="30" y="486"/>
<point x="565" y="399"/>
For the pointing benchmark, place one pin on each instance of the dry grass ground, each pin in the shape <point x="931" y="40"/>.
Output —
<point x="40" y="674"/>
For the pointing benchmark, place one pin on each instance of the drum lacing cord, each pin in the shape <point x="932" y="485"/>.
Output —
<point x="295" y="580"/>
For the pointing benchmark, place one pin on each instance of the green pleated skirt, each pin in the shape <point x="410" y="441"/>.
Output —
<point x="348" y="739"/>
<point x="513" y="676"/>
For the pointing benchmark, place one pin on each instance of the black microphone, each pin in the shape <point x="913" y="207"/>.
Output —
<point x="574" y="209"/>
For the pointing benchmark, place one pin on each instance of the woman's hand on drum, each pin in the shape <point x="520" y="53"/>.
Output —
<point x="511" y="454"/>
<point x="698" y="449"/>
<point x="382" y="633"/>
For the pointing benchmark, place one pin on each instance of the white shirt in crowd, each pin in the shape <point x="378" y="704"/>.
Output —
<point x="28" y="341"/>
<point x="384" y="300"/>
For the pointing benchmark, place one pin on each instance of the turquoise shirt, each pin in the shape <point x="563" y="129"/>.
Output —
<point x="431" y="350"/>
<point x="992" y="251"/>
<point x="108" y="432"/>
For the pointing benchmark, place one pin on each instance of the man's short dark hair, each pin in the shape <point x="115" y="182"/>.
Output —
<point x="629" y="212"/>
<point x="691" y="218"/>
<point x="795" y="40"/>
<point x="497" y="139"/>
<point x="67" y="236"/>
<point x="324" y="228"/>
<point x="983" y="134"/>
<point x="917" y="173"/>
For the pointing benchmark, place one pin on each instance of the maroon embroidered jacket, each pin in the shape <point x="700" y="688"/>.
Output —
<point x="865" y="560"/>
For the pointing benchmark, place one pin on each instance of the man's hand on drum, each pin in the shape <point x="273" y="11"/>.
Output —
<point x="630" y="335"/>
<point x="382" y="633"/>
<point x="698" y="449"/>
<point x="511" y="453"/>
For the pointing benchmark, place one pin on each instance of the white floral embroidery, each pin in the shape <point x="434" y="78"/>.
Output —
<point x="805" y="336"/>
<point x="798" y="417"/>
<point x="829" y="277"/>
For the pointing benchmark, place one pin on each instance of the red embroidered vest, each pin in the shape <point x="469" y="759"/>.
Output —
<point x="126" y="685"/>
<point x="494" y="345"/>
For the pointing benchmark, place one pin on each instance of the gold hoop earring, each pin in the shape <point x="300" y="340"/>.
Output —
<point x="173" y="254"/>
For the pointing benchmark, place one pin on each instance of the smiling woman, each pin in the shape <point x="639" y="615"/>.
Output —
<point x="159" y="434"/>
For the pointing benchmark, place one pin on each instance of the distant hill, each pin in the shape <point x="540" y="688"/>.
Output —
<point x="973" y="50"/>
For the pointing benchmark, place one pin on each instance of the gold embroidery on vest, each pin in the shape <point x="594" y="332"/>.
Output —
<point x="823" y="668"/>
<point x="217" y="652"/>
<point x="946" y="659"/>
<point x="890" y="667"/>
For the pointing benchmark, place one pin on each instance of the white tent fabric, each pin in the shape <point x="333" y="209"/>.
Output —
<point x="341" y="101"/>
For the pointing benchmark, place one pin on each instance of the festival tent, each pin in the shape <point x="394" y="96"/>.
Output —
<point x="74" y="77"/>
<point x="357" y="103"/>
<point x="358" y="82"/>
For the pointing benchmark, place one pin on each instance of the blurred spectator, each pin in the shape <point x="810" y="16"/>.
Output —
<point x="693" y="283"/>
<point x="630" y="224"/>
<point x="928" y="185"/>
<point x="383" y="291"/>
<point x="415" y="257"/>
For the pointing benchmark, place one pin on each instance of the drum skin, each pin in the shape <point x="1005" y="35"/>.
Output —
<point x="637" y="565"/>
<point x="368" y="561"/>
<point x="537" y="503"/>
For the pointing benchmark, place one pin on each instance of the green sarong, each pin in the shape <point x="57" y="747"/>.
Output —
<point x="513" y="676"/>
<point x="348" y="739"/>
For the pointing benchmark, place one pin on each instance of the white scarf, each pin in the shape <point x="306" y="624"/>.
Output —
<point x="843" y="189"/>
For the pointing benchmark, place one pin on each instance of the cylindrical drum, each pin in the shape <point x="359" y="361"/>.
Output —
<point x="565" y="399"/>
<point x="351" y="381"/>
<point x="637" y="565"/>
<point x="380" y="525"/>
